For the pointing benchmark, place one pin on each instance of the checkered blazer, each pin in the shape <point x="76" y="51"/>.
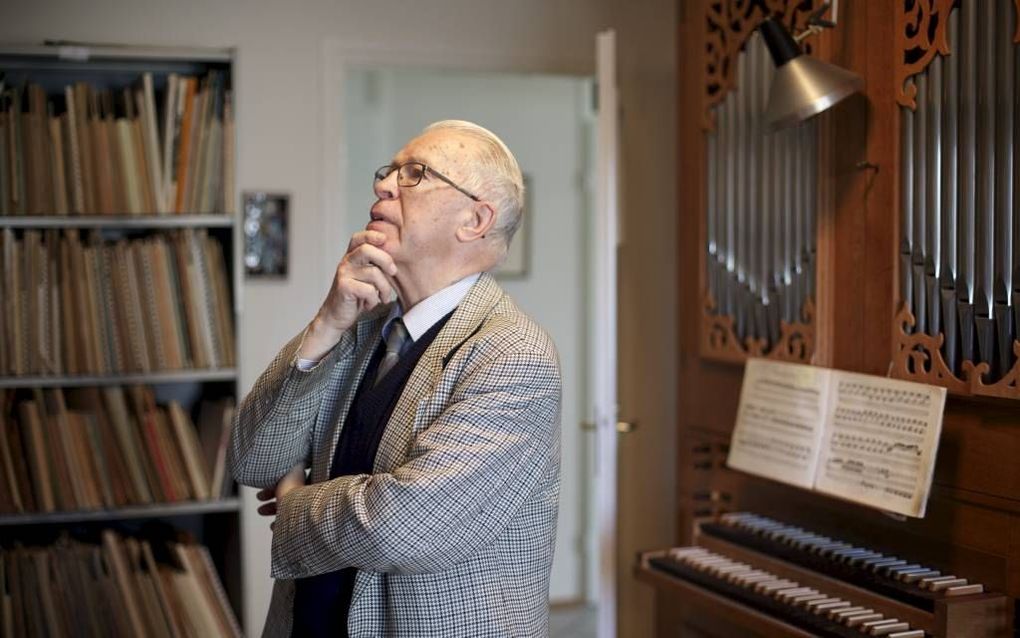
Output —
<point x="453" y="534"/>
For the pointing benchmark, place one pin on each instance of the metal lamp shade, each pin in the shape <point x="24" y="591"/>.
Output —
<point x="803" y="86"/>
<point x="806" y="86"/>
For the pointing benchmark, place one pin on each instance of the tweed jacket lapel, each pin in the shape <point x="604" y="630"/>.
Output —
<point x="477" y="305"/>
<point x="367" y="332"/>
<point x="466" y="319"/>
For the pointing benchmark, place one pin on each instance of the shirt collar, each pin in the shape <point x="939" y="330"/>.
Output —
<point x="428" y="311"/>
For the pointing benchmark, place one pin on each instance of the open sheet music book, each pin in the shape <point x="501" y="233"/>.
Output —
<point x="867" y="439"/>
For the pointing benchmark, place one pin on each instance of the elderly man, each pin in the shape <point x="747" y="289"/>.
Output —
<point x="430" y="424"/>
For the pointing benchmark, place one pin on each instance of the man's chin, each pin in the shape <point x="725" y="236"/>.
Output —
<point x="386" y="229"/>
<point x="380" y="226"/>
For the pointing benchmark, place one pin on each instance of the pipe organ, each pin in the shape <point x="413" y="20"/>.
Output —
<point x="883" y="237"/>
<point x="959" y="281"/>
<point x="760" y="214"/>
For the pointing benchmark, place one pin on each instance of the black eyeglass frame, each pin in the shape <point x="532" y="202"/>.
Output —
<point x="384" y="171"/>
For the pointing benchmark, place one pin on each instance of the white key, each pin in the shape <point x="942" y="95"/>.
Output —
<point x="916" y="576"/>
<point x="823" y="601"/>
<point x="770" y="587"/>
<point x="885" y="630"/>
<point x="926" y="583"/>
<point x="839" y="614"/>
<point x="854" y="621"/>
<point x="963" y="590"/>
<point x="946" y="584"/>
<point x="800" y="601"/>
<point x="873" y="624"/>
<point x="827" y="607"/>
<point x="788" y="594"/>
<point x="755" y="577"/>
<point x="677" y="552"/>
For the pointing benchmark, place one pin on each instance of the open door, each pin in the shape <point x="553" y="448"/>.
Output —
<point x="633" y="343"/>
<point x="603" y="334"/>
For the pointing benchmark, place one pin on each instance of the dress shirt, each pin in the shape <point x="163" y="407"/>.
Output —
<point x="422" y="316"/>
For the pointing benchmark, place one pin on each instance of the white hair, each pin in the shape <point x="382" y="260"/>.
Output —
<point x="496" y="176"/>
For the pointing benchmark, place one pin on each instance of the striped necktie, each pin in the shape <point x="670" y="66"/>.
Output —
<point x="394" y="344"/>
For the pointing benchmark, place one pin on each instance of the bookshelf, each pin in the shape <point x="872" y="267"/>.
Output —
<point x="219" y="506"/>
<point x="77" y="381"/>
<point x="168" y="229"/>
<point x="117" y="221"/>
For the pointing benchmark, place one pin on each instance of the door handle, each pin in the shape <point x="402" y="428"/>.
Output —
<point x="623" y="427"/>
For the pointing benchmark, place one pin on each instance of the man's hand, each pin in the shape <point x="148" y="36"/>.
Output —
<point x="362" y="282"/>
<point x="293" y="480"/>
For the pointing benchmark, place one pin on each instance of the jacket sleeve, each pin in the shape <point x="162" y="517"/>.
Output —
<point x="468" y="473"/>
<point x="272" y="428"/>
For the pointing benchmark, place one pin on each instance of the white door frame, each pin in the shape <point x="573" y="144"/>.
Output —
<point x="603" y="349"/>
<point x="337" y="56"/>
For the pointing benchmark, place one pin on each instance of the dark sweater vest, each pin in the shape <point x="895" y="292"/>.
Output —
<point x="322" y="603"/>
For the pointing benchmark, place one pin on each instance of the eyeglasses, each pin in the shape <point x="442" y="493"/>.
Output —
<point x="411" y="173"/>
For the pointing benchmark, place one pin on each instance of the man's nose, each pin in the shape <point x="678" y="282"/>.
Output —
<point x="387" y="188"/>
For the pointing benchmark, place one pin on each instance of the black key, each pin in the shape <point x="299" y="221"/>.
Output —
<point x="829" y="562"/>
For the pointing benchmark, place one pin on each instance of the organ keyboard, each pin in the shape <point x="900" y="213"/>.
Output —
<point x="773" y="579"/>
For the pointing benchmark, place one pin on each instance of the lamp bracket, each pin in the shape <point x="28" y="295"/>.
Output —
<point x="816" y="23"/>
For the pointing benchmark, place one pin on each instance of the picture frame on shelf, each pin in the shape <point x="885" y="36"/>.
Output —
<point x="518" y="258"/>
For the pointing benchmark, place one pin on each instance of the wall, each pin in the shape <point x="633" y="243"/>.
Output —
<point x="279" y="122"/>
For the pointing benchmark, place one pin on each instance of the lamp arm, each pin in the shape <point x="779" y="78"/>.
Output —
<point x="815" y="22"/>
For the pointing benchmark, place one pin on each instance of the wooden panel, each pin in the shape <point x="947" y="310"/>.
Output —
<point x="980" y="441"/>
<point x="1013" y="565"/>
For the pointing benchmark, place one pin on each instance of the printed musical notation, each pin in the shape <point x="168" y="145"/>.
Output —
<point x="881" y="441"/>
<point x="778" y="423"/>
<point x="867" y="439"/>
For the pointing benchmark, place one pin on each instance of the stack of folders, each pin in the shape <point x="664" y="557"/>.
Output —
<point x="85" y="305"/>
<point x="92" y="151"/>
<point x="111" y="447"/>
<point x="121" y="587"/>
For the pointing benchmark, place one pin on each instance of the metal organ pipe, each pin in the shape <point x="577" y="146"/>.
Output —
<point x="985" y="186"/>
<point x="933" y="202"/>
<point x="960" y="214"/>
<point x="948" y="153"/>
<point x="967" y="178"/>
<point x="760" y="222"/>
<point x="1003" y="225"/>
<point x="917" y="244"/>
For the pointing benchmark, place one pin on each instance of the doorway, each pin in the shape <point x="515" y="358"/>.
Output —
<point x="549" y="123"/>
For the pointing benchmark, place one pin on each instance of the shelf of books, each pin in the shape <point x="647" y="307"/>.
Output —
<point x="117" y="221"/>
<point x="119" y="298"/>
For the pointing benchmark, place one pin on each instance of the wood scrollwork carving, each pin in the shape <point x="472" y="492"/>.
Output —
<point x="719" y="340"/>
<point x="730" y="22"/>
<point x="1016" y="31"/>
<point x="918" y="357"/>
<point x="921" y="33"/>
<point x="797" y="340"/>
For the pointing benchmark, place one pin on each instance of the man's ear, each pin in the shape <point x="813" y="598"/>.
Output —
<point x="479" y="222"/>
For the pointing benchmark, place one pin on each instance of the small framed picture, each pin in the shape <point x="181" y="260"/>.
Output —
<point x="265" y="233"/>
<point x="515" y="266"/>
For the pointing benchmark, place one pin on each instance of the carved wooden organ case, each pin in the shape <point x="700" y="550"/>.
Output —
<point x="758" y="267"/>
<point x="833" y="244"/>
<point x="959" y="234"/>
